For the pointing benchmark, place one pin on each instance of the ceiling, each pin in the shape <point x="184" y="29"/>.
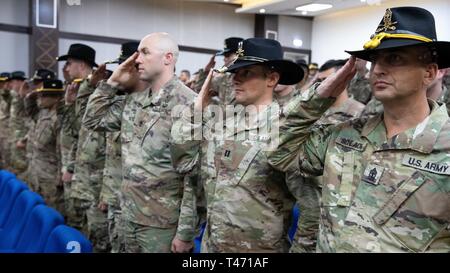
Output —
<point x="287" y="7"/>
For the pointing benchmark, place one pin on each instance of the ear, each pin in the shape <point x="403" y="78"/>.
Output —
<point x="431" y="71"/>
<point x="272" y="79"/>
<point x="168" y="58"/>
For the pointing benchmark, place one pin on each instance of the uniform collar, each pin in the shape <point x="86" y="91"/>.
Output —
<point x="263" y="119"/>
<point x="444" y="95"/>
<point x="165" y="91"/>
<point x="421" y="138"/>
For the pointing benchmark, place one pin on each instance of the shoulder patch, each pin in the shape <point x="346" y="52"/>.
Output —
<point x="352" y="144"/>
<point x="425" y="165"/>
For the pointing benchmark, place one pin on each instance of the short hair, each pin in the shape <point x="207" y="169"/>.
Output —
<point x="187" y="72"/>
<point x="337" y="64"/>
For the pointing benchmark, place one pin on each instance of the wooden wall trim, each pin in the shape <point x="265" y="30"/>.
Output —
<point x="15" y="28"/>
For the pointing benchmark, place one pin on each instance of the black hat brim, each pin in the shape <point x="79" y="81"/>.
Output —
<point x="223" y="52"/>
<point x="290" y="72"/>
<point x="65" y="57"/>
<point x="442" y="48"/>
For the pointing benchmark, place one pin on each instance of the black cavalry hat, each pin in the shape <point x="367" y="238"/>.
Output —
<point x="18" y="75"/>
<point x="51" y="87"/>
<point x="80" y="52"/>
<point x="4" y="76"/>
<point x="406" y="26"/>
<point x="43" y="74"/>
<point x="268" y="52"/>
<point x="231" y="45"/>
<point x="127" y="50"/>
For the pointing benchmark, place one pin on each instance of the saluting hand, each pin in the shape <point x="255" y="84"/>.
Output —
<point x="71" y="93"/>
<point x="211" y="63"/>
<point x="205" y="94"/>
<point x="336" y="83"/>
<point x="98" y="75"/>
<point x="126" y="74"/>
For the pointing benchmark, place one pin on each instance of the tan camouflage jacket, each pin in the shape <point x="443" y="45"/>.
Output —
<point x="248" y="202"/>
<point x="152" y="188"/>
<point x="90" y="153"/>
<point x="307" y="190"/>
<point x="378" y="194"/>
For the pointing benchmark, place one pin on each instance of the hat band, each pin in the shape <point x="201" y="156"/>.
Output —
<point x="252" y="58"/>
<point x="4" y="78"/>
<point x="376" y="40"/>
<point x="49" y="89"/>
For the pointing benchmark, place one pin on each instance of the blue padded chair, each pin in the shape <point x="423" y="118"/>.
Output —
<point x="37" y="229"/>
<point x="12" y="189"/>
<point x="5" y="176"/>
<point x="293" y="228"/>
<point x="24" y="204"/>
<point x="198" y="239"/>
<point x="65" y="239"/>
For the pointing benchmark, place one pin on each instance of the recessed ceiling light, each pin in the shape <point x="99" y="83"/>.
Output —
<point x="262" y="11"/>
<point x="226" y="0"/>
<point x="314" y="7"/>
<point x="363" y="1"/>
<point x="304" y="12"/>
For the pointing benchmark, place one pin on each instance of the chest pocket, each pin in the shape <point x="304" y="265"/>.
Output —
<point x="338" y="188"/>
<point x="143" y="124"/>
<point x="416" y="212"/>
<point x="245" y="163"/>
<point x="45" y="133"/>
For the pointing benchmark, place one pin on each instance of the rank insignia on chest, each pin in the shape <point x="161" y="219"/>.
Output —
<point x="372" y="174"/>
<point x="227" y="153"/>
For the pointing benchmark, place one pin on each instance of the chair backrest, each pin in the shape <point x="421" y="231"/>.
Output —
<point x="12" y="189"/>
<point x="20" y="213"/>
<point x="41" y="222"/>
<point x="198" y="239"/>
<point x="295" y="216"/>
<point x="65" y="239"/>
<point x="5" y="176"/>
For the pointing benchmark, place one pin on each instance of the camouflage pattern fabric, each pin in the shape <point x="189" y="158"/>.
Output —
<point x="152" y="188"/>
<point x="378" y="194"/>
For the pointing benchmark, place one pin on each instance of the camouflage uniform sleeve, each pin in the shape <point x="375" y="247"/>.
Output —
<point x="185" y="145"/>
<point x="201" y="79"/>
<point x="295" y="132"/>
<point x="104" y="109"/>
<point x="30" y="107"/>
<point x="187" y="222"/>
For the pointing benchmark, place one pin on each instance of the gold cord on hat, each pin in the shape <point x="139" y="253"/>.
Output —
<point x="376" y="39"/>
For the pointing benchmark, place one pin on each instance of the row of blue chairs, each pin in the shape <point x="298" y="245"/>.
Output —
<point x="27" y="225"/>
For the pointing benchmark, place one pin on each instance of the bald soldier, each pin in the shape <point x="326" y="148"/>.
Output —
<point x="153" y="188"/>
<point x="385" y="179"/>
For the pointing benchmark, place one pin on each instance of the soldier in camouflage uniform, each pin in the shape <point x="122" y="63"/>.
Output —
<point x="68" y="141"/>
<point x="45" y="164"/>
<point x="89" y="156"/>
<point x="305" y="189"/>
<point x="152" y="187"/>
<point x="359" y="87"/>
<point x="5" y="102"/>
<point x="21" y="123"/>
<point x="248" y="203"/>
<point x="112" y="173"/>
<point x="80" y="61"/>
<point x="17" y="127"/>
<point x="385" y="184"/>
<point x="222" y="83"/>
